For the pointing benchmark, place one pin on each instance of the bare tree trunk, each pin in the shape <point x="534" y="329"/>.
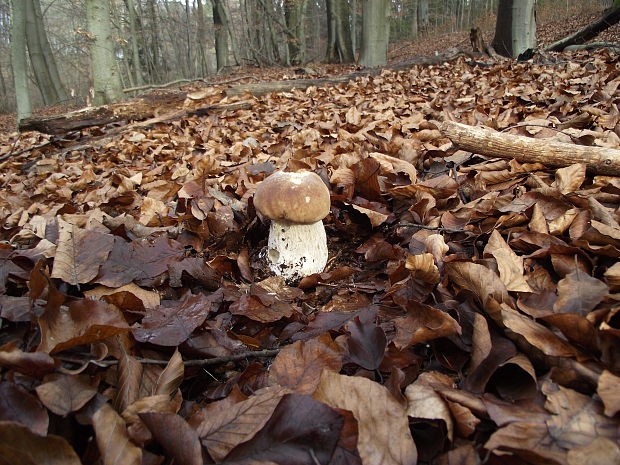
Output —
<point x="375" y="32"/>
<point x="154" y="41"/>
<point x="221" y="34"/>
<point x="106" y="77"/>
<point x="41" y="57"/>
<point x="414" y="19"/>
<point x="354" y="27"/>
<point x="339" y="47"/>
<point x="18" y="59"/>
<point x="294" y="12"/>
<point x="424" y="17"/>
<point x="202" y="40"/>
<point x="135" y="49"/>
<point x="515" y="29"/>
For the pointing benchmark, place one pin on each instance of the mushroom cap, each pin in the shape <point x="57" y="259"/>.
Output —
<point x="299" y="197"/>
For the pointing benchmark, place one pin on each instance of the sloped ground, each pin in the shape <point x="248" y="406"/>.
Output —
<point x="468" y="312"/>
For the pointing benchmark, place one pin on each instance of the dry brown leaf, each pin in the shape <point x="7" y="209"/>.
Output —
<point x="149" y="298"/>
<point x="384" y="435"/>
<point x="579" y="293"/>
<point x="423" y="323"/>
<point x="436" y="245"/>
<point x="601" y="451"/>
<point x="172" y="376"/>
<point x="478" y="279"/>
<point x="114" y="444"/>
<point x="20" y="446"/>
<point x="510" y="265"/>
<point x="609" y="391"/>
<point x="423" y="402"/>
<point x="298" y="366"/>
<point x="222" y="432"/>
<point x="570" y="178"/>
<point x="423" y="267"/>
<point x="536" y="334"/>
<point x="80" y="253"/>
<point x="63" y="394"/>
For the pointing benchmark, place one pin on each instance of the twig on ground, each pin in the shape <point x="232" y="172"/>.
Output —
<point x="431" y="228"/>
<point x="187" y="363"/>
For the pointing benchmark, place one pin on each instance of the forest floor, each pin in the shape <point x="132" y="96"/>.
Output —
<point x="469" y="311"/>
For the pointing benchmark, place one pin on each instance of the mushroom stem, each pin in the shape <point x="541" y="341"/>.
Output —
<point x="296" y="250"/>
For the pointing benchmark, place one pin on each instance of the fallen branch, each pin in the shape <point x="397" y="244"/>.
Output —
<point x="487" y="142"/>
<point x="187" y="363"/>
<point x="609" y="18"/>
<point x="431" y="228"/>
<point x="186" y="81"/>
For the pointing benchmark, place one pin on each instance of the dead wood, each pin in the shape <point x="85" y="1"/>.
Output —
<point x="146" y="106"/>
<point x="136" y="109"/>
<point x="609" y="18"/>
<point x="485" y="141"/>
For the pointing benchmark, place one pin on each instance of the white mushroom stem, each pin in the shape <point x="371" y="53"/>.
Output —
<point x="296" y="250"/>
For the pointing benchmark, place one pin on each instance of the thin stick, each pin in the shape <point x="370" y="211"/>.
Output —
<point x="431" y="228"/>
<point x="200" y="362"/>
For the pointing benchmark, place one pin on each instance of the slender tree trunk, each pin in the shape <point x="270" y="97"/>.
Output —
<point x="424" y="18"/>
<point x="339" y="47"/>
<point x="106" y="77"/>
<point x="190" y="71"/>
<point x="154" y="42"/>
<point x="515" y="29"/>
<point x="18" y="59"/>
<point x="294" y="12"/>
<point x="135" y="49"/>
<point x="41" y="57"/>
<point x="354" y="27"/>
<point x="414" y="19"/>
<point x="49" y="56"/>
<point x="375" y="32"/>
<point x="202" y="40"/>
<point x="221" y="34"/>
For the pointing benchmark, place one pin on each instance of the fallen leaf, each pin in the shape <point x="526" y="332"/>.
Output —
<point x="171" y="323"/>
<point x="19" y="406"/>
<point x="425" y="403"/>
<point x="112" y="439"/>
<point x="63" y="394"/>
<point x="384" y="435"/>
<point x="172" y="376"/>
<point x="298" y="366"/>
<point x="509" y="264"/>
<point x="83" y="321"/>
<point x="366" y="344"/>
<point x="579" y="293"/>
<point x="80" y="253"/>
<point x="609" y="393"/>
<point x="35" y="364"/>
<point x="422" y="324"/>
<point x="298" y="424"/>
<point x="222" y="433"/>
<point x="20" y="446"/>
<point x="175" y="436"/>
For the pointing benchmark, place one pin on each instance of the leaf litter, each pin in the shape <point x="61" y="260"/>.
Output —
<point x="468" y="312"/>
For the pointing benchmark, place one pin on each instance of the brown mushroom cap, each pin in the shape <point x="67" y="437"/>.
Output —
<point x="299" y="197"/>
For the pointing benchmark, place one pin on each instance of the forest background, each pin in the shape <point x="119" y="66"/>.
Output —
<point x="163" y="41"/>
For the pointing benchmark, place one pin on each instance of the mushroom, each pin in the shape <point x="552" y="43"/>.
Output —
<point x="295" y="203"/>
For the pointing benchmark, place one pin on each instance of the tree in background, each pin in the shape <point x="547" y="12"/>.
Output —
<point x="220" y="24"/>
<point x="294" y="13"/>
<point x="41" y="56"/>
<point x="515" y="29"/>
<point x="105" y="73"/>
<point x="375" y="32"/>
<point x="339" y="46"/>
<point x="18" y="59"/>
